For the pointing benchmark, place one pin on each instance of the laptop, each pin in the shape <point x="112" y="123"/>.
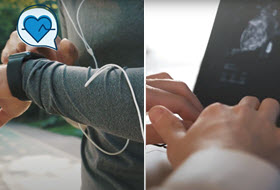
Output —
<point x="243" y="53"/>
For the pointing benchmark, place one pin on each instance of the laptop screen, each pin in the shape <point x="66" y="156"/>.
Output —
<point x="243" y="54"/>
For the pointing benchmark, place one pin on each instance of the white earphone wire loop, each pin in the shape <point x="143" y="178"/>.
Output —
<point x="102" y="150"/>
<point x="99" y="71"/>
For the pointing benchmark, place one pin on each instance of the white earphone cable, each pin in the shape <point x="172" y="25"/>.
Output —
<point x="88" y="48"/>
<point x="99" y="71"/>
<point x="102" y="150"/>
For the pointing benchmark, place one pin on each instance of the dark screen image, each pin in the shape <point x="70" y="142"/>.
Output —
<point x="243" y="54"/>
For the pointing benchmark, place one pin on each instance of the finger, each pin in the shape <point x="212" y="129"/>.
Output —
<point x="4" y="118"/>
<point x="152" y="137"/>
<point x="176" y="104"/>
<point x="68" y="52"/>
<point x="21" y="47"/>
<point x="252" y="102"/>
<point x="162" y="75"/>
<point x="167" y="125"/>
<point x="32" y="49"/>
<point x="46" y="52"/>
<point x="10" y="47"/>
<point x="176" y="87"/>
<point x="269" y="109"/>
<point x="7" y="51"/>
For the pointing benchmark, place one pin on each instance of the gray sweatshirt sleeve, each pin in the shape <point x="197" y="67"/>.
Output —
<point x="106" y="104"/>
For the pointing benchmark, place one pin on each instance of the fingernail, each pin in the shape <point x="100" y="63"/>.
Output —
<point x="156" y="114"/>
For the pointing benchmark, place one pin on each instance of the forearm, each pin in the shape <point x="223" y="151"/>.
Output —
<point x="106" y="103"/>
<point x="5" y="90"/>
<point x="214" y="169"/>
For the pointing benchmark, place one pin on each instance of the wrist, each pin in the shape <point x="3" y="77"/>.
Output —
<point x="4" y="86"/>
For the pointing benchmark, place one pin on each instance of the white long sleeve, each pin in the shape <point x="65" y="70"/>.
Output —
<point x="219" y="169"/>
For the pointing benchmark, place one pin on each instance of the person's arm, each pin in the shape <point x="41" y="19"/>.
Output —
<point x="106" y="103"/>
<point x="227" y="147"/>
<point x="215" y="169"/>
<point x="12" y="107"/>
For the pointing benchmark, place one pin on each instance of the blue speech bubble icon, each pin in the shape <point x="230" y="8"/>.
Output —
<point x="37" y="26"/>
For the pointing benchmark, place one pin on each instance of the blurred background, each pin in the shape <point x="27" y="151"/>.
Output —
<point x="176" y="36"/>
<point x="37" y="150"/>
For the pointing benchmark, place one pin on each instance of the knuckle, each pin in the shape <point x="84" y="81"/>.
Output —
<point x="19" y="46"/>
<point x="252" y="98"/>
<point x="217" y="106"/>
<point x="243" y="108"/>
<point x="271" y="101"/>
<point x="255" y="98"/>
<point x="164" y="74"/>
<point x="213" y="108"/>
<point x="13" y="34"/>
<point x="182" y="85"/>
<point x="206" y="111"/>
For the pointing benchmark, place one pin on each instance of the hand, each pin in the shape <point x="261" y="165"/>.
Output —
<point x="161" y="89"/>
<point x="66" y="53"/>
<point x="248" y="126"/>
<point x="10" y="107"/>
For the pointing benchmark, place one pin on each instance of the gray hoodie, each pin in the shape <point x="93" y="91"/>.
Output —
<point x="115" y="31"/>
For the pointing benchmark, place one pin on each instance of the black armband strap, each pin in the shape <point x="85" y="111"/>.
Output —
<point x="14" y="73"/>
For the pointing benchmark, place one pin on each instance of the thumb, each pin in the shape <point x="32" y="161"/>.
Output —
<point x="4" y="117"/>
<point x="68" y="52"/>
<point x="167" y="125"/>
<point x="152" y="136"/>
